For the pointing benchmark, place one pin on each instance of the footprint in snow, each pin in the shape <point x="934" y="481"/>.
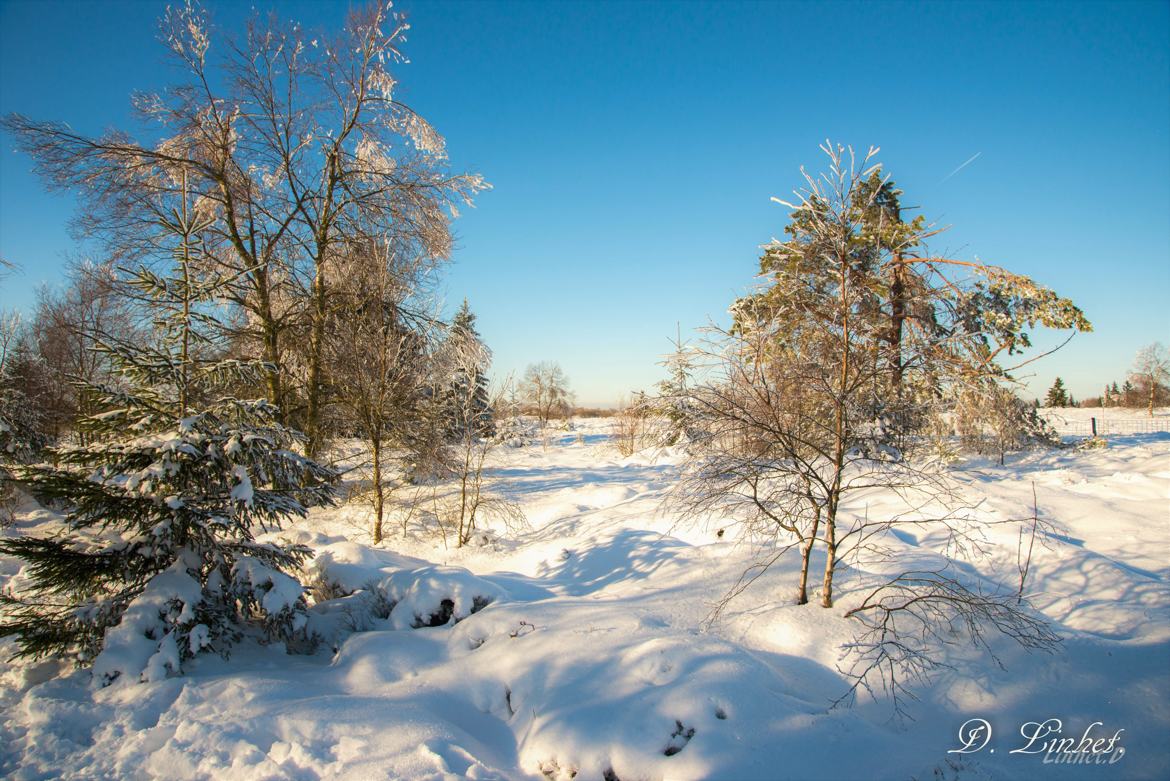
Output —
<point x="678" y="739"/>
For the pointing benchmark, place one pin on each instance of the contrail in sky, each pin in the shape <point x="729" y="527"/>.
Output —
<point x="974" y="157"/>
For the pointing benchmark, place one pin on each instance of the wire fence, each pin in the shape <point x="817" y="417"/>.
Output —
<point x="1103" y="426"/>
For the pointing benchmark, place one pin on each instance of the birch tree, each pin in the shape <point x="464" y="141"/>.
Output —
<point x="545" y="389"/>
<point x="292" y="142"/>
<point x="1151" y="368"/>
<point x="380" y="340"/>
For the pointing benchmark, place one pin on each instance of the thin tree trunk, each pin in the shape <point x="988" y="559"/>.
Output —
<point x="805" y="555"/>
<point x="379" y="499"/>
<point x="839" y="446"/>
<point x="184" y="364"/>
<point x="270" y="340"/>
<point x="316" y="345"/>
<point x="830" y="553"/>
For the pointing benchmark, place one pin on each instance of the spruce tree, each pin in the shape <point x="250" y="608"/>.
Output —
<point x="158" y="560"/>
<point x="468" y="394"/>
<point x="674" y="400"/>
<point x="1128" y="394"/>
<point x="1057" y="395"/>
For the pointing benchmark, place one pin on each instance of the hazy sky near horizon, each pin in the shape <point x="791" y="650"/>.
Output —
<point x="633" y="149"/>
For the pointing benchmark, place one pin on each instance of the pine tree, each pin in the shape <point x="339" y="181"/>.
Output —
<point x="468" y="394"/>
<point x="1057" y="395"/>
<point x="674" y="400"/>
<point x="1128" y="394"/>
<point x="853" y="350"/>
<point x="158" y="560"/>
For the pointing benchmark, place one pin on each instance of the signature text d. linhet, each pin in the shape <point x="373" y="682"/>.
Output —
<point x="1095" y="746"/>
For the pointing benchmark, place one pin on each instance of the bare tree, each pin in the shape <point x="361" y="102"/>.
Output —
<point x="379" y="345"/>
<point x="546" y="391"/>
<point x="22" y="435"/>
<point x="991" y="418"/>
<point x="774" y="455"/>
<point x="66" y="321"/>
<point x="1151" y="368"/>
<point x="473" y="503"/>
<point x="634" y="425"/>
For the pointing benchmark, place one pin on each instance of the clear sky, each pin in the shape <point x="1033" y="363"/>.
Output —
<point x="633" y="148"/>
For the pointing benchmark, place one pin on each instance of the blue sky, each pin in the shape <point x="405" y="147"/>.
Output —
<point x="633" y="148"/>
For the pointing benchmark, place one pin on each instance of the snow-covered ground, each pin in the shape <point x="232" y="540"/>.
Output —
<point x="594" y="657"/>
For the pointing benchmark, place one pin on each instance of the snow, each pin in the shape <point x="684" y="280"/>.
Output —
<point x="132" y="652"/>
<point x="242" y="491"/>
<point x="582" y="646"/>
<point x="281" y="592"/>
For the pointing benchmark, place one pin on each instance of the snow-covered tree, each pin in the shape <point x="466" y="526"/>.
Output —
<point x="382" y="351"/>
<point x="22" y="428"/>
<point x="63" y="324"/>
<point x="294" y="141"/>
<point x="832" y="380"/>
<point x="1151" y="369"/>
<point x="158" y="559"/>
<point x="546" y="391"/>
<point x="470" y="359"/>
<point x="22" y="432"/>
<point x="995" y="420"/>
<point x="832" y="373"/>
<point x="674" y="402"/>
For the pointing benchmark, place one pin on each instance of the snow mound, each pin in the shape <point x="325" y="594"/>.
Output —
<point x="134" y="649"/>
<point x="418" y="593"/>
<point x="436" y="596"/>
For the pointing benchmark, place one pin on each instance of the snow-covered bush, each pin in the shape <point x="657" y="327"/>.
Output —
<point x="517" y="431"/>
<point x="992" y="419"/>
<point x="436" y="596"/>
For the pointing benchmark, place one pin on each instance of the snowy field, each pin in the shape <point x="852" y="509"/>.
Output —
<point x="1078" y="421"/>
<point x="579" y="646"/>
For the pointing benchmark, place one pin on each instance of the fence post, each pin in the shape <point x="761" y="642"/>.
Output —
<point x="1094" y="422"/>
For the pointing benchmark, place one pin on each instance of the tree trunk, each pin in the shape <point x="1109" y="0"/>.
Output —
<point x="316" y="346"/>
<point x="464" y="531"/>
<point x="840" y="432"/>
<point x="805" y="555"/>
<point x="830" y="554"/>
<point x="270" y="339"/>
<point x="379" y="499"/>
<point x="897" y="320"/>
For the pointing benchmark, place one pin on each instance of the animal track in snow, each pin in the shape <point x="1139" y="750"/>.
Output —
<point x="678" y="739"/>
